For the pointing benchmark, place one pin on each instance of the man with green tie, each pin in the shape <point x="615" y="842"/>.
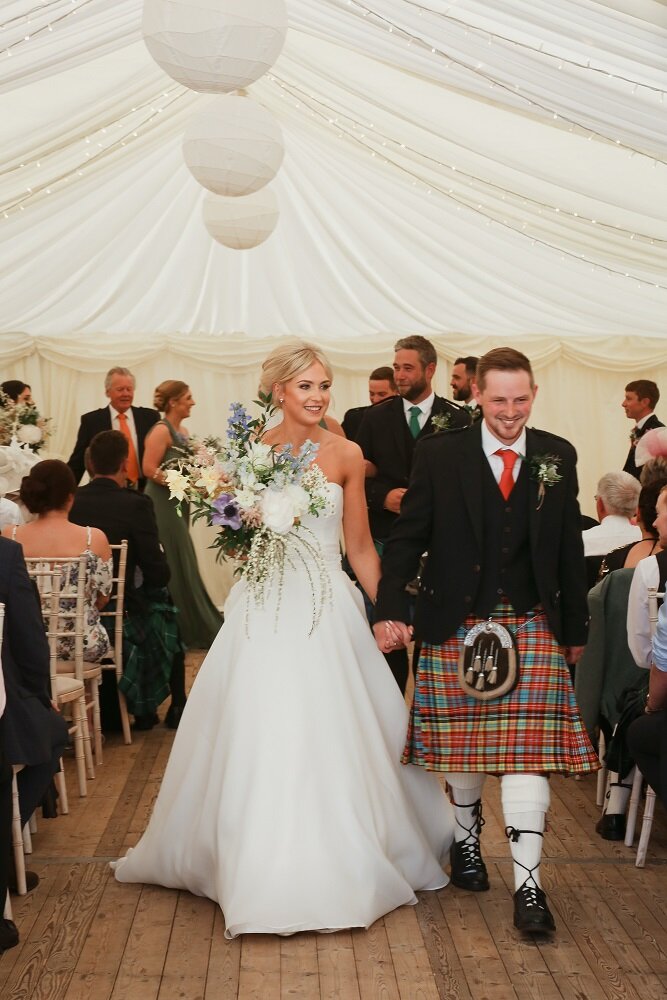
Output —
<point x="388" y="436"/>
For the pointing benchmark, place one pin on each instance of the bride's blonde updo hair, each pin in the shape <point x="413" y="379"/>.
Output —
<point x="168" y="392"/>
<point x="287" y="361"/>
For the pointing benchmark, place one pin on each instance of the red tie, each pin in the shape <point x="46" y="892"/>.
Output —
<point x="132" y="463"/>
<point x="506" y="483"/>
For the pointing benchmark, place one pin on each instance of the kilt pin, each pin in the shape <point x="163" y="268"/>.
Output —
<point x="515" y="555"/>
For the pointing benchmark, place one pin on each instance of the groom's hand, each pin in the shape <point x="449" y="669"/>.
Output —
<point x="390" y="635"/>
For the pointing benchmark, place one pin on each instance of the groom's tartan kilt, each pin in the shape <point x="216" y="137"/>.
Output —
<point x="534" y="728"/>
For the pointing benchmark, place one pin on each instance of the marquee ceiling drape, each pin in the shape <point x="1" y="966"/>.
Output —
<point x="470" y="168"/>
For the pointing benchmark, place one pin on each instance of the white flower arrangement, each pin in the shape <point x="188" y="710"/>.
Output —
<point x="256" y="495"/>
<point x="544" y="470"/>
<point x="24" y="423"/>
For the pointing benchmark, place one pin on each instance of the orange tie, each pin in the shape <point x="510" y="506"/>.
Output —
<point x="506" y="483"/>
<point x="132" y="463"/>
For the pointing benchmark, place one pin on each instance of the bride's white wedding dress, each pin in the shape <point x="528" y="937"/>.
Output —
<point x="284" y="799"/>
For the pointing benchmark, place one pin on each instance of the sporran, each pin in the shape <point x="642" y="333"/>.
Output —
<point x="488" y="661"/>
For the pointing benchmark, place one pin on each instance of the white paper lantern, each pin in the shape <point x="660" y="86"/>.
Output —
<point x="233" y="147"/>
<point x="215" y="46"/>
<point x="241" y="223"/>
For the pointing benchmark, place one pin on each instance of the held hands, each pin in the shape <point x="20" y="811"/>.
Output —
<point x="391" y="635"/>
<point x="572" y="654"/>
<point x="393" y="499"/>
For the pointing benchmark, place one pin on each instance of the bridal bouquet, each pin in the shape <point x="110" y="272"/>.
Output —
<point x="24" y="423"/>
<point x="256" y="496"/>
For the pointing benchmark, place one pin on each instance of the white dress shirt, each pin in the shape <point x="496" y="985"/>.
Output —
<point x="115" y="425"/>
<point x="640" y="423"/>
<point x="612" y="533"/>
<point x="646" y="575"/>
<point x="425" y="408"/>
<point x="491" y="444"/>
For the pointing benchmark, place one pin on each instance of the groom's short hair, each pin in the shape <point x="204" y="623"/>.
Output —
<point x="504" y="359"/>
<point x="643" y="388"/>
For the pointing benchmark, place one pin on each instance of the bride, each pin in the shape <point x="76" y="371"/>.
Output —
<point x="284" y="799"/>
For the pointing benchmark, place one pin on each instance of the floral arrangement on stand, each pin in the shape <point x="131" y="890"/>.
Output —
<point x="256" y="495"/>
<point x="23" y="422"/>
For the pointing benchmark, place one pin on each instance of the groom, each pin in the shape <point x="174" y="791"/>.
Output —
<point x="504" y="540"/>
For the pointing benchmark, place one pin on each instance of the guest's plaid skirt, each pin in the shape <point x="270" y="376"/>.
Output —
<point x="536" y="727"/>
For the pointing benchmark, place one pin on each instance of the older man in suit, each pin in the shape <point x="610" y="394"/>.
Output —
<point x="496" y="507"/>
<point x="126" y="514"/>
<point x="640" y="400"/>
<point x="34" y="734"/>
<point x="134" y="422"/>
<point x="388" y="437"/>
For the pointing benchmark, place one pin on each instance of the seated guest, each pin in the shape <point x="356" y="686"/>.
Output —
<point x="48" y="491"/>
<point x="9" y="935"/>
<point x="154" y="661"/>
<point x="647" y="735"/>
<point x="120" y="415"/>
<point x="616" y="503"/>
<point x="34" y="733"/>
<point x="649" y="572"/>
<point x="627" y="556"/>
<point x="381" y="386"/>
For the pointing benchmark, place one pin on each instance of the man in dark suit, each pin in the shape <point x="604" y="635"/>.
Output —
<point x="381" y="386"/>
<point x="134" y="422"/>
<point x="35" y="734"/>
<point x="641" y="399"/>
<point x="388" y="436"/>
<point x="121" y="513"/>
<point x="495" y="505"/>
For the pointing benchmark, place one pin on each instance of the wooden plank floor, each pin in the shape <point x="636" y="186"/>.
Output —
<point x="86" y="937"/>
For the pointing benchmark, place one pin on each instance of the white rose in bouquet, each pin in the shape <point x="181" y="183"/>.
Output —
<point x="277" y="510"/>
<point x="299" y="498"/>
<point x="245" y="499"/>
<point x="260" y="457"/>
<point x="29" y="434"/>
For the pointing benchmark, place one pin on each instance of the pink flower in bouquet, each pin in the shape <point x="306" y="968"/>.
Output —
<point x="651" y="445"/>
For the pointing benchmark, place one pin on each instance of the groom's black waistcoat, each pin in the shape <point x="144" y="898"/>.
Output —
<point x="507" y="569"/>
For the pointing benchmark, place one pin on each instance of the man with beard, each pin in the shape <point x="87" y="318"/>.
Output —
<point x="496" y="508"/>
<point x="388" y="436"/>
<point x="463" y="383"/>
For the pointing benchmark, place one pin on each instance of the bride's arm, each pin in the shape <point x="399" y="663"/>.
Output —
<point x="358" y="542"/>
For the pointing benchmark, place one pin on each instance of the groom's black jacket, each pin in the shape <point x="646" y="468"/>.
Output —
<point x="446" y="513"/>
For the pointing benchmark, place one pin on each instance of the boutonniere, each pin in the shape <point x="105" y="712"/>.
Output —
<point x="441" y="421"/>
<point x="635" y="435"/>
<point x="544" y="471"/>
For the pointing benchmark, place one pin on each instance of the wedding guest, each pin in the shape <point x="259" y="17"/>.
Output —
<point x="641" y="399"/>
<point x="496" y="508"/>
<point x="388" y="436"/>
<point x="133" y="422"/>
<point x="647" y="735"/>
<point x="381" y="386"/>
<point x="463" y="381"/>
<point x="35" y="734"/>
<point x="17" y="391"/>
<point x="168" y="441"/>
<point x="627" y="556"/>
<point x="48" y="492"/>
<point x="153" y="661"/>
<point x="9" y="935"/>
<point x="616" y="506"/>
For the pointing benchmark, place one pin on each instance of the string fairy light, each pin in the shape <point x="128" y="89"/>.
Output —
<point x="73" y="8"/>
<point x="133" y="131"/>
<point x="480" y="71"/>
<point x="537" y="49"/>
<point x="299" y="98"/>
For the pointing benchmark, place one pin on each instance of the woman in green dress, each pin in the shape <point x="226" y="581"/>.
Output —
<point x="199" y="619"/>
